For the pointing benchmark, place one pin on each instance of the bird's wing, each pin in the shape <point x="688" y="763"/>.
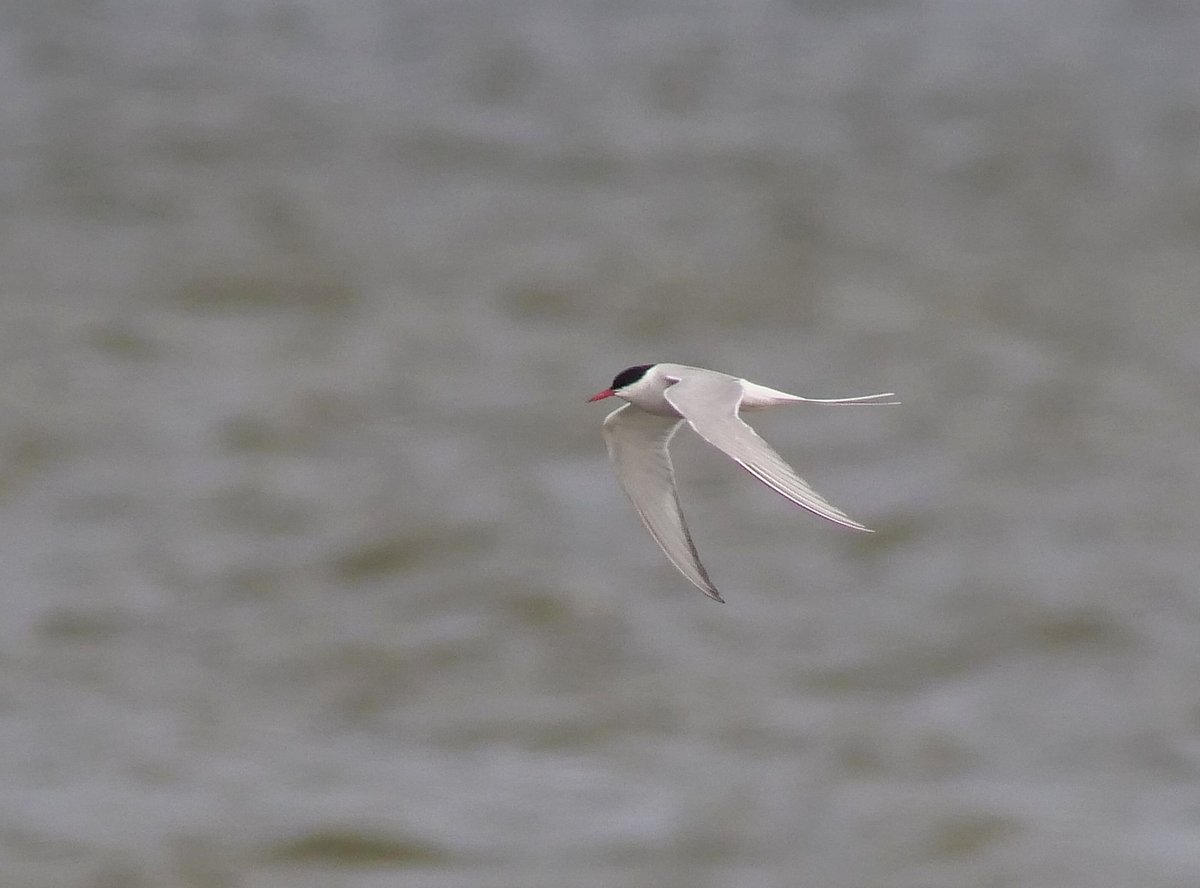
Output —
<point x="710" y="405"/>
<point x="637" y="445"/>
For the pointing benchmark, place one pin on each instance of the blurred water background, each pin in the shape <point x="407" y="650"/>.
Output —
<point x="314" y="571"/>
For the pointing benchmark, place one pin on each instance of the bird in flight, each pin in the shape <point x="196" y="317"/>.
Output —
<point x="659" y="398"/>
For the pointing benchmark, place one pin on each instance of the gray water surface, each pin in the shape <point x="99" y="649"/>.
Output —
<point x="314" y="569"/>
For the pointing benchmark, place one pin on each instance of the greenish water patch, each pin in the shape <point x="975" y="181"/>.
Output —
<point x="968" y="835"/>
<point x="75" y="624"/>
<point x="405" y="551"/>
<point x="280" y="282"/>
<point x="123" y="343"/>
<point x="347" y="849"/>
<point x="25" y="454"/>
<point x="247" y="507"/>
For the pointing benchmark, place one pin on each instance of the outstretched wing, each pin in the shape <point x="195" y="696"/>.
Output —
<point x="710" y="405"/>
<point x="637" y="445"/>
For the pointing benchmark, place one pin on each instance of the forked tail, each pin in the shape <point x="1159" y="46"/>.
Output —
<point x="861" y="400"/>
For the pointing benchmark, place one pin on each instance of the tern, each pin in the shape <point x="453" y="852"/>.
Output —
<point x="660" y="398"/>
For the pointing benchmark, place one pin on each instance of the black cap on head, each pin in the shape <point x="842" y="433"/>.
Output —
<point x="630" y="375"/>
